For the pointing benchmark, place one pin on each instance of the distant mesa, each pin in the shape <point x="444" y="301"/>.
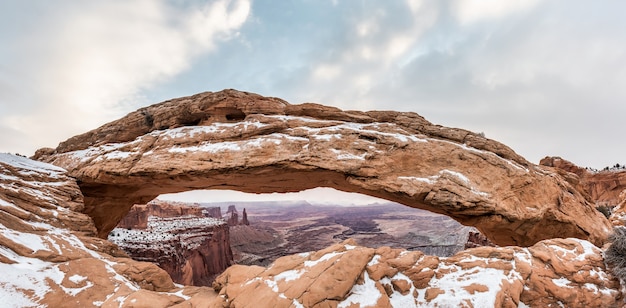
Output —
<point x="190" y="242"/>
<point x="232" y="216"/>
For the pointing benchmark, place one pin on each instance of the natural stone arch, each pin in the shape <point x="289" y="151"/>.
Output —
<point x="246" y="142"/>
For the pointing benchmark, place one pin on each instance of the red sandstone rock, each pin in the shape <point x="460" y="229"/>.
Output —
<point x="50" y="257"/>
<point x="602" y="187"/>
<point x="477" y="239"/>
<point x="179" y="237"/>
<point x="246" y="142"/>
<point x="244" y="218"/>
<point x="560" y="272"/>
<point x="137" y="217"/>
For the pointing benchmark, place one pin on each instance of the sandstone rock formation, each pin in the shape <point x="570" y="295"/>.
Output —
<point x="602" y="187"/>
<point x="477" y="239"/>
<point x="242" y="141"/>
<point x="49" y="255"/>
<point x="552" y="273"/>
<point x="137" y="217"/>
<point x="232" y="216"/>
<point x="606" y="189"/>
<point x="244" y="218"/>
<point x="180" y="238"/>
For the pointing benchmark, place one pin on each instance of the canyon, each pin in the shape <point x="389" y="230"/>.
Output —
<point x="282" y="228"/>
<point x="192" y="244"/>
<point x="57" y="209"/>
<point x="193" y="250"/>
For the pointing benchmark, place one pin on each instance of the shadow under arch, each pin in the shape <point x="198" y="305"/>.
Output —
<point x="250" y="143"/>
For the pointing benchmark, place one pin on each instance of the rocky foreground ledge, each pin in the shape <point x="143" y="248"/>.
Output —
<point x="247" y="142"/>
<point x="49" y="257"/>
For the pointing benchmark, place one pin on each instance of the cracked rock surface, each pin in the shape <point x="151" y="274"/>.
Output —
<point x="247" y="142"/>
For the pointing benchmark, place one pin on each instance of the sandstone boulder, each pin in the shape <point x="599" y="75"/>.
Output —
<point x="242" y="141"/>
<point x="552" y="273"/>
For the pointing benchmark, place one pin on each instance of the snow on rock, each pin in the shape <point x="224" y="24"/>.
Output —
<point x="366" y="294"/>
<point x="539" y="276"/>
<point x="48" y="255"/>
<point x="161" y="231"/>
<point x="243" y="141"/>
<point x="413" y="184"/>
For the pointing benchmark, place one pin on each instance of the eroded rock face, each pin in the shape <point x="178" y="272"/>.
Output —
<point x="246" y="142"/>
<point x="602" y="187"/>
<point x="137" y="217"/>
<point x="49" y="255"/>
<point x="182" y="239"/>
<point x="558" y="272"/>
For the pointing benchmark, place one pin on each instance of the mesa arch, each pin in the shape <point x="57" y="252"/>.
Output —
<point x="250" y="143"/>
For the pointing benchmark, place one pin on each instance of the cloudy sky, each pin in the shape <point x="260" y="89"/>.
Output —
<point x="544" y="77"/>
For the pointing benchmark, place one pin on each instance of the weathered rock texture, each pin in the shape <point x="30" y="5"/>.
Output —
<point x="137" y="217"/>
<point x="552" y="273"/>
<point x="49" y="255"/>
<point x="606" y="188"/>
<point x="246" y="142"/>
<point x="192" y="247"/>
<point x="477" y="239"/>
<point x="602" y="187"/>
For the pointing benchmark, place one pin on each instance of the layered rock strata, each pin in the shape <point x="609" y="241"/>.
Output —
<point x="191" y="247"/>
<point x="137" y="217"/>
<point x="246" y="142"/>
<point x="602" y="187"/>
<point x="50" y="257"/>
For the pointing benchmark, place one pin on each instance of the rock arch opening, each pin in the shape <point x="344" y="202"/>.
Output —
<point x="245" y="142"/>
<point x="195" y="235"/>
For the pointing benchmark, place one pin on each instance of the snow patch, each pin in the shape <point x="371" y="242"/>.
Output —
<point x="29" y="164"/>
<point x="32" y="241"/>
<point x="348" y="156"/>
<point x="453" y="283"/>
<point x="364" y="295"/>
<point x="180" y="294"/>
<point x="325" y="257"/>
<point x="396" y="298"/>
<point x="374" y="260"/>
<point x="289" y="275"/>
<point x="77" y="278"/>
<point x="461" y="179"/>
<point x="562" y="282"/>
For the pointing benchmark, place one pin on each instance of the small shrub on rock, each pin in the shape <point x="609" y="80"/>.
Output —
<point x="605" y="210"/>
<point x="615" y="255"/>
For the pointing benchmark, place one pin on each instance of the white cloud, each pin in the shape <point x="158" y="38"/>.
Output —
<point x="90" y="60"/>
<point x="376" y="40"/>
<point x="469" y="11"/>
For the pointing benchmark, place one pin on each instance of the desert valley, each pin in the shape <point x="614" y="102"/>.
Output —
<point x="468" y="222"/>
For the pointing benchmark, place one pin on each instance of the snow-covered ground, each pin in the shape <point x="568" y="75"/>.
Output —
<point x="27" y="278"/>
<point x="162" y="233"/>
